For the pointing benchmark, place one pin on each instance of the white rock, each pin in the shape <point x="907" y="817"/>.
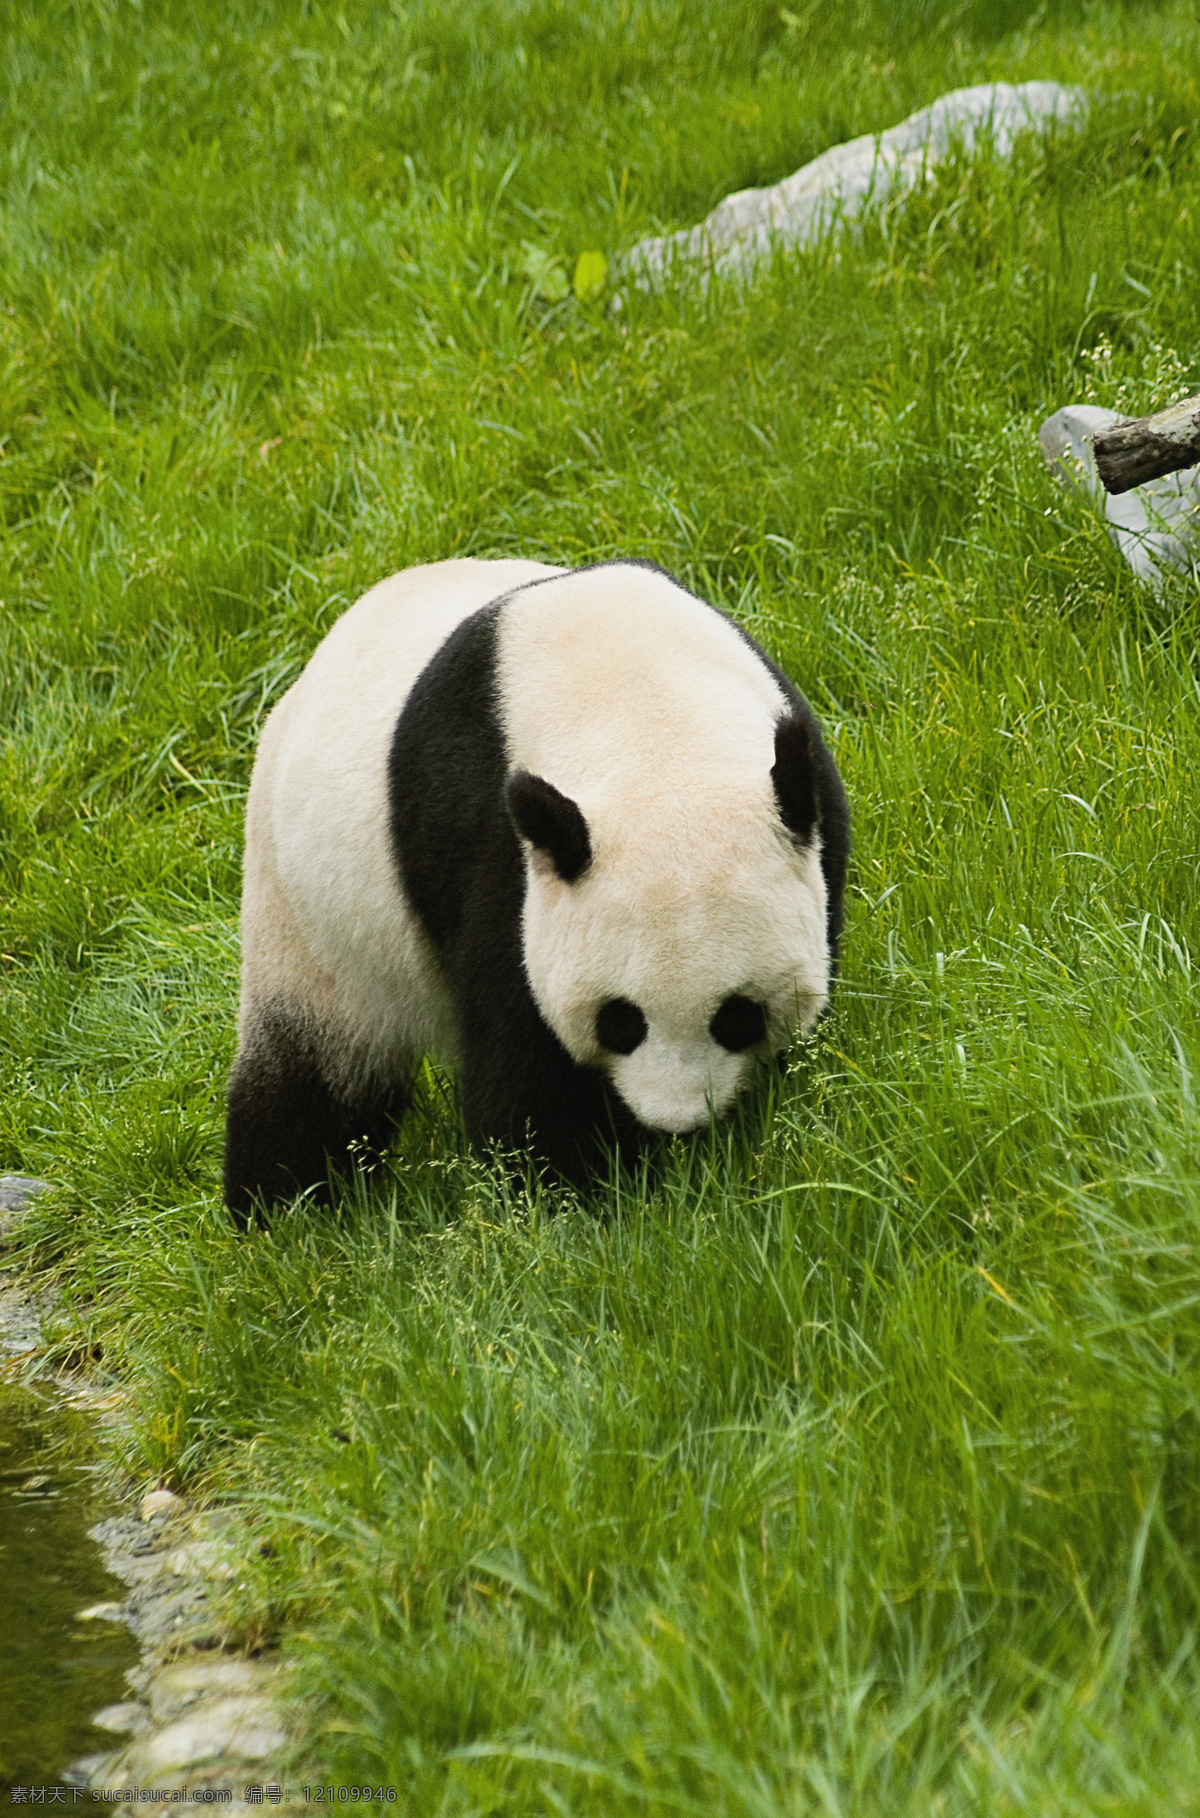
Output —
<point x="103" y="1612"/>
<point x="120" y="1717"/>
<point x="177" y="1687"/>
<point x="202" y="1559"/>
<point x="16" y="1191"/>
<point x="158" y="1504"/>
<point x="241" y="1728"/>
<point x="1066" y="441"/>
<point x="838" y="185"/>
<point x="1156" y="526"/>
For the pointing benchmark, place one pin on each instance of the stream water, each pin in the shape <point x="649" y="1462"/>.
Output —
<point x="55" y="1670"/>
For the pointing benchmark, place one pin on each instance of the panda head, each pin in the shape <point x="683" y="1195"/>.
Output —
<point x="676" y="938"/>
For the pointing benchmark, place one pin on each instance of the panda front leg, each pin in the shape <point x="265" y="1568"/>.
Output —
<point x="522" y="1092"/>
<point x="290" y="1125"/>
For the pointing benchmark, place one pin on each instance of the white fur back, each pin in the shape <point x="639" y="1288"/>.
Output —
<point x="616" y="683"/>
<point x="324" y="921"/>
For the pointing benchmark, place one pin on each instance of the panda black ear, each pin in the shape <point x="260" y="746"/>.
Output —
<point x="551" y="822"/>
<point x="792" y="775"/>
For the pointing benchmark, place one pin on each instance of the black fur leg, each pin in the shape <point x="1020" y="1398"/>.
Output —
<point x="521" y="1091"/>
<point x="287" y="1130"/>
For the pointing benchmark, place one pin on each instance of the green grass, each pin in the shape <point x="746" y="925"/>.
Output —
<point x="854" y="1468"/>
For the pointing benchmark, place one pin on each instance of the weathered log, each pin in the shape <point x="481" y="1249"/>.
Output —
<point x="1145" y="448"/>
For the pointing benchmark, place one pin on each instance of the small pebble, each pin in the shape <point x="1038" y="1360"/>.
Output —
<point x="120" y="1717"/>
<point x="103" y="1612"/>
<point x="158" y="1503"/>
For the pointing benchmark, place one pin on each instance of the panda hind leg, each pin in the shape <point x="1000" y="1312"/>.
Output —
<point x="290" y="1128"/>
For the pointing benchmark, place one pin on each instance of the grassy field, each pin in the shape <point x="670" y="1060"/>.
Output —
<point x="854" y="1469"/>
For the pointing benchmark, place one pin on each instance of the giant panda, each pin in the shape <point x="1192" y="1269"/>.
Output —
<point x="570" y="830"/>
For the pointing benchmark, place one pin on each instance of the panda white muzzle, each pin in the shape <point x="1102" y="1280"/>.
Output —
<point x="677" y="1089"/>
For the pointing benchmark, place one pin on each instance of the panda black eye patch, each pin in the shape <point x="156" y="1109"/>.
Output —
<point x="739" y="1024"/>
<point x="620" y="1026"/>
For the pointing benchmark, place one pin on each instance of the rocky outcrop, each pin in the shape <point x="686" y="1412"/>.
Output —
<point x="198" y="1716"/>
<point x="1156" y="526"/>
<point x="836" y="187"/>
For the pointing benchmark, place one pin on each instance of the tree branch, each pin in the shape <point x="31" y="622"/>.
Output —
<point x="1145" y="448"/>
